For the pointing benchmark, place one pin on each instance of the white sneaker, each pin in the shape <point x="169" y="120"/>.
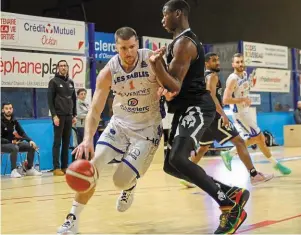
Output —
<point x="70" y="226"/>
<point x="261" y="178"/>
<point x="33" y="172"/>
<point x="15" y="174"/>
<point x="125" y="200"/>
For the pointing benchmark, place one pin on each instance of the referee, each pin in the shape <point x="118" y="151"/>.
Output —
<point x="62" y="105"/>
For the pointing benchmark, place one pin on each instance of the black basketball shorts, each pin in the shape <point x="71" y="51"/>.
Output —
<point x="218" y="132"/>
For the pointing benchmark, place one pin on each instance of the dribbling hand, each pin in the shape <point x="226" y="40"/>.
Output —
<point x="84" y="147"/>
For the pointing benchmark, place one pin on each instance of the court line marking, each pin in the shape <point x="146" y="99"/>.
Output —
<point x="114" y="192"/>
<point x="265" y="223"/>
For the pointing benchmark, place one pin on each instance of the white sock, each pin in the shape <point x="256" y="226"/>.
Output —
<point x="273" y="160"/>
<point x="76" y="208"/>
<point x="233" y="151"/>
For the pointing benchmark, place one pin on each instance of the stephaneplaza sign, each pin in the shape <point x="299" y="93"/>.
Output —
<point x="34" y="70"/>
<point x="42" y="34"/>
<point x="270" y="80"/>
<point x="265" y="55"/>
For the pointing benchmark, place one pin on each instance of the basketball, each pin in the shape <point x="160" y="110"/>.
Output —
<point x="81" y="176"/>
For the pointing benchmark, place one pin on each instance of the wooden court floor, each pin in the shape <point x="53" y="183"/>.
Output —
<point x="161" y="206"/>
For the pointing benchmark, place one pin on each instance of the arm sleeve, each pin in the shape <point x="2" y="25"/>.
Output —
<point x="74" y="101"/>
<point x="5" y="141"/>
<point x="21" y="132"/>
<point x="51" y="93"/>
<point x="81" y="113"/>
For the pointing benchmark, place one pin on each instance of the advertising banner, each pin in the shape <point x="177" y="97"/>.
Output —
<point x="42" y="34"/>
<point x="104" y="46"/>
<point x="270" y="80"/>
<point x="155" y="43"/>
<point x="265" y="55"/>
<point x="255" y="99"/>
<point x="34" y="70"/>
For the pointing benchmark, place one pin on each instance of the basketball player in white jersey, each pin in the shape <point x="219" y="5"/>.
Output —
<point x="134" y="132"/>
<point x="237" y="96"/>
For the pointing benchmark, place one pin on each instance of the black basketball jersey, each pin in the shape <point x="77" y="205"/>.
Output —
<point x="219" y="90"/>
<point x="193" y="91"/>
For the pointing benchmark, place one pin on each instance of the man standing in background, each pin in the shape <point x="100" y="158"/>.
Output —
<point x="62" y="105"/>
<point x="82" y="110"/>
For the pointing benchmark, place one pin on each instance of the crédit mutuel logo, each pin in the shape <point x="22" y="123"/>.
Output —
<point x="48" y="32"/>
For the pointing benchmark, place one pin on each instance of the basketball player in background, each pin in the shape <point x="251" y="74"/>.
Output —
<point x="194" y="111"/>
<point x="134" y="132"/>
<point x="236" y="95"/>
<point x="222" y="129"/>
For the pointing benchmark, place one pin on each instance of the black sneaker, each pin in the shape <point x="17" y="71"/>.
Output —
<point x="231" y="219"/>
<point x="239" y="196"/>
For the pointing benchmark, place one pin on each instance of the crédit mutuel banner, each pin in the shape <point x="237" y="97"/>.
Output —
<point x="34" y="70"/>
<point x="42" y="34"/>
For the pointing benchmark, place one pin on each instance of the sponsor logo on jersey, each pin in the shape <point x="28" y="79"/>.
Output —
<point x="135" y="153"/>
<point x="135" y="109"/>
<point x="143" y="64"/>
<point x="240" y="82"/>
<point x="145" y="91"/>
<point x="132" y="102"/>
<point x="142" y="74"/>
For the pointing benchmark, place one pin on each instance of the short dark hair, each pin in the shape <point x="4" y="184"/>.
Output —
<point x="181" y="5"/>
<point x="236" y="55"/>
<point x="81" y="90"/>
<point x="6" y="103"/>
<point x="58" y="63"/>
<point x="209" y="55"/>
<point x="125" y="33"/>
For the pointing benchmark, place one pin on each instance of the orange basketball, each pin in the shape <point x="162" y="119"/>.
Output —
<point x="81" y="175"/>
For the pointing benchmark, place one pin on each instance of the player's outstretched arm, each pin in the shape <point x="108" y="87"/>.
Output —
<point x="227" y="98"/>
<point x="103" y="84"/>
<point x="211" y="86"/>
<point x="184" y="50"/>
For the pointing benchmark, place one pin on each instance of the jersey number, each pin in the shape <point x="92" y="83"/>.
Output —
<point x="132" y="85"/>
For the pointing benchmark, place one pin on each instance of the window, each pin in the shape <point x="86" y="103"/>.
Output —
<point x="22" y="101"/>
<point x="42" y="103"/>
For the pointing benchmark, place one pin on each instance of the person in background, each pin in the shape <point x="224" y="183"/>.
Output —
<point x="62" y="105"/>
<point x="12" y="142"/>
<point x="82" y="110"/>
<point x="297" y="114"/>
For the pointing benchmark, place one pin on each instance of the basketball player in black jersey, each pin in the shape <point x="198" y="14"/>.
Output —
<point x="193" y="108"/>
<point x="221" y="129"/>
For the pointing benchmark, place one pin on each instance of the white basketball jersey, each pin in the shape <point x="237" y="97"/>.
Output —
<point x="241" y="90"/>
<point x="136" y="104"/>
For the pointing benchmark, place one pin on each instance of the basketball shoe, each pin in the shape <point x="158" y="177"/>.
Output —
<point x="70" y="226"/>
<point x="231" y="219"/>
<point x="239" y="195"/>
<point x="125" y="199"/>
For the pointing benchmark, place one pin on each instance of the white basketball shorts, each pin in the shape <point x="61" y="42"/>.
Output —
<point x="136" y="148"/>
